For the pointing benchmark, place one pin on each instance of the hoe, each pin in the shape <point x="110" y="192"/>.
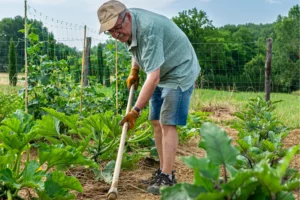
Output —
<point x="113" y="192"/>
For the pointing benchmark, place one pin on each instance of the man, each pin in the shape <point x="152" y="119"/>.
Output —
<point x="165" y="54"/>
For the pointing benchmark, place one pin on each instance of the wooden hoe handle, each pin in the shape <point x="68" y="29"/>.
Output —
<point x="113" y="192"/>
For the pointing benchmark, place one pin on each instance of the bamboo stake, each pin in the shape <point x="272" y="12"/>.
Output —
<point x="82" y="68"/>
<point x="25" y="55"/>
<point x="117" y="102"/>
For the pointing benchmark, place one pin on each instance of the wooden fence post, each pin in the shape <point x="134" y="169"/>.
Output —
<point x="268" y="65"/>
<point x="82" y="68"/>
<point x="87" y="54"/>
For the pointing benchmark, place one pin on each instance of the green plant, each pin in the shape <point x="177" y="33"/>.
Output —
<point x="52" y="85"/>
<point x="263" y="180"/>
<point x="42" y="174"/>
<point x="260" y="132"/>
<point x="194" y="122"/>
<point x="9" y="104"/>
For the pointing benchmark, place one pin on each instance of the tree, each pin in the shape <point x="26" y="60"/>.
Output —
<point x="195" y="24"/>
<point x="286" y="50"/>
<point x="107" y="76"/>
<point x="9" y="29"/>
<point x="51" y="47"/>
<point x="12" y="66"/>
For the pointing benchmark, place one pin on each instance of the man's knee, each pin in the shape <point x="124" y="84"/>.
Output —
<point x="169" y="129"/>
<point x="155" y="124"/>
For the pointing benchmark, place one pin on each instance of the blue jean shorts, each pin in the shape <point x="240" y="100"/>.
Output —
<point x="170" y="106"/>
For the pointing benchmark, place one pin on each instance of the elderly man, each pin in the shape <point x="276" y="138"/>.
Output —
<point x="165" y="54"/>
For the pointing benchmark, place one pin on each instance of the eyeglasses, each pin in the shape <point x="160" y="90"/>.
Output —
<point x="116" y="28"/>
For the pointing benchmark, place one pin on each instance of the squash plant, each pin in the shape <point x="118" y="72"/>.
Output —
<point x="42" y="174"/>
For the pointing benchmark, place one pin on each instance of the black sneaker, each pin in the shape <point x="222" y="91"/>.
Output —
<point x="153" y="178"/>
<point x="161" y="181"/>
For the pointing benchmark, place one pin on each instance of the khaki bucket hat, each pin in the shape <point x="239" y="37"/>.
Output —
<point x="108" y="14"/>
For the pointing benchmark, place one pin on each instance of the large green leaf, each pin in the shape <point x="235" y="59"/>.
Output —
<point x="7" y="178"/>
<point x="65" y="196"/>
<point x="47" y="127"/>
<point x="31" y="176"/>
<point x="285" y="196"/>
<point x="66" y="182"/>
<point x="107" y="173"/>
<point x="70" y="121"/>
<point x="237" y="181"/>
<point x="26" y="121"/>
<point x="211" y="196"/>
<point x="259" y="194"/>
<point x="181" y="191"/>
<point x="203" y="165"/>
<point x="57" y="186"/>
<point x="68" y="140"/>
<point x="291" y="185"/>
<point x="57" y="155"/>
<point x="217" y="145"/>
<point x="247" y="189"/>
<point x="14" y="141"/>
<point x="204" y="182"/>
<point x="267" y="176"/>
<point x="243" y="145"/>
<point x="112" y="124"/>
<point x="269" y="146"/>
<point x="12" y="125"/>
<point x="95" y="121"/>
<point x="285" y="162"/>
<point x="7" y="159"/>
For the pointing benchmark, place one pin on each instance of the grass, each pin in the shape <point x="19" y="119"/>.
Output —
<point x="6" y="89"/>
<point x="287" y="111"/>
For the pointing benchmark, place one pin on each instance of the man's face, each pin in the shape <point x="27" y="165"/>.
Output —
<point x="122" y="30"/>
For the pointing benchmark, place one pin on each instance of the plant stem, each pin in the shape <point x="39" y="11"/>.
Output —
<point x="249" y="160"/>
<point x="17" y="164"/>
<point x="28" y="154"/>
<point x="9" y="197"/>
<point x="225" y="173"/>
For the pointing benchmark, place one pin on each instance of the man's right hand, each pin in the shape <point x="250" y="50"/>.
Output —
<point x="130" y="118"/>
<point x="133" y="78"/>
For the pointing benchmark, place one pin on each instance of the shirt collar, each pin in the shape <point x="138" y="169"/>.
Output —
<point x="133" y="33"/>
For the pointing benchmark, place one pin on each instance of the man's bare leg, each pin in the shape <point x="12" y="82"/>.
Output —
<point x="158" y="136"/>
<point x="169" y="144"/>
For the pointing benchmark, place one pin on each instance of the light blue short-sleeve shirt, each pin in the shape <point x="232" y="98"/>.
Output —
<point x="157" y="42"/>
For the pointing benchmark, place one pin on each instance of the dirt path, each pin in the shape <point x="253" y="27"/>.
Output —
<point x="129" y="186"/>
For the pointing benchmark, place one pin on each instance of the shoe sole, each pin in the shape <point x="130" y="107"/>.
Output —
<point x="153" y="190"/>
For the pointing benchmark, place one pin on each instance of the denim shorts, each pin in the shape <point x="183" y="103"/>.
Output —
<point x="170" y="106"/>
